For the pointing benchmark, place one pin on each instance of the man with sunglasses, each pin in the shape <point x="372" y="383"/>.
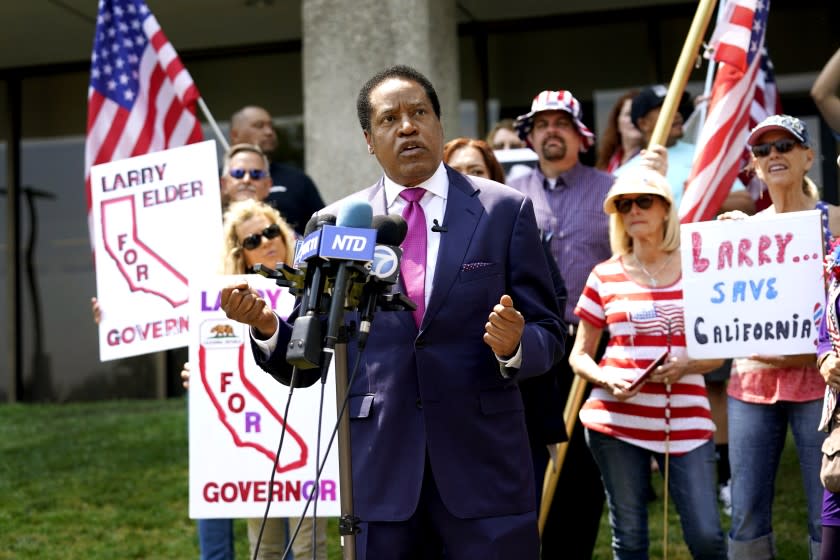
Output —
<point x="568" y="201"/>
<point x="291" y="191"/>
<point x="244" y="174"/>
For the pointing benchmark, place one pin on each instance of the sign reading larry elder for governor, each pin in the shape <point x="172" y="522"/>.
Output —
<point x="238" y="414"/>
<point x="753" y="286"/>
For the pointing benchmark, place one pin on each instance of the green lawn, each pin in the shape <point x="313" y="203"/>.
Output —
<point x="108" y="480"/>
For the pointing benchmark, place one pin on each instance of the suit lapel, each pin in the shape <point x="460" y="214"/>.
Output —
<point x="463" y="211"/>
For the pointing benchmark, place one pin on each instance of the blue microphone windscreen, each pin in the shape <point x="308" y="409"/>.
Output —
<point x="355" y="213"/>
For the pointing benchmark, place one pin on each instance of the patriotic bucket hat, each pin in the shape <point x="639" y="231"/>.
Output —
<point x="561" y="100"/>
<point x="785" y="123"/>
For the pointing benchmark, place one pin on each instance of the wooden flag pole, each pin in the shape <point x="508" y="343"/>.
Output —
<point x="552" y="472"/>
<point x="690" y="52"/>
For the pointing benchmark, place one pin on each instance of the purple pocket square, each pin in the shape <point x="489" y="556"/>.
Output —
<point x="466" y="267"/>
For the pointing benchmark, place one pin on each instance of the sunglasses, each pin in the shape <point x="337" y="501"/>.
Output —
<point x="239" y="173"/>
<point x="782" y="146"/>
<point x="255" y="239"/>
<point x="643" y="201"/>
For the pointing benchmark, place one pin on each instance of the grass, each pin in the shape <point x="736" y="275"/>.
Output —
<point x="108" y="480"/>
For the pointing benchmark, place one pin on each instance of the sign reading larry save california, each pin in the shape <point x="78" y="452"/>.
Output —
<point x="753" y="286"/>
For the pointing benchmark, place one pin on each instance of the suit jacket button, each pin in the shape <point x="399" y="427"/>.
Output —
<point x="419" y="403"/>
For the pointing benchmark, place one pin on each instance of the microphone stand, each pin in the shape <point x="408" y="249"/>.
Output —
<point x="348" y="523"/>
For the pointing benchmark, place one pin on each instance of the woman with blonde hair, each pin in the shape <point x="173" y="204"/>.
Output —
<point x="637" y="296"/>
<point x="255" y="233"/>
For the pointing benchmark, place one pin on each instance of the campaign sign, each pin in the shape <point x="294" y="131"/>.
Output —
<point x="157" y="224"/>
<point x="236" y="418"/>
<point x="753" y="286"/>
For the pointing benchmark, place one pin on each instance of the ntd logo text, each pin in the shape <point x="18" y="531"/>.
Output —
<point x="353" y="243"/>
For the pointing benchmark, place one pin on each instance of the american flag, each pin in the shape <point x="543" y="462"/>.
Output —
<point x="664" y="318"/>
<point x="744" y="92"/>
<point x="141" y="99"/>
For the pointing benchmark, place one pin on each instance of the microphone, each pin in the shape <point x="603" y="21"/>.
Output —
<point x="316" y="268"/>
<point x="385" y="269"/>
<point x="304" y="349"/>
<point x="350" y="242"/>
<point x="437" y="228"/>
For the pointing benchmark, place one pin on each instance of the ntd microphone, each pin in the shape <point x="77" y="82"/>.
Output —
<point x="351" y="242"/>
<point x="347" y="243"/>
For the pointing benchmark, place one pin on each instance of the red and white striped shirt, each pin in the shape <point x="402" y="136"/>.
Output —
<point x="642" y="322"/>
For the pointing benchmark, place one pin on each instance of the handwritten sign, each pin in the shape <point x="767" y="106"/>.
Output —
<point x="753" y="286"/>
<point x="236" y="415"/>
<point x="157" y="224"/>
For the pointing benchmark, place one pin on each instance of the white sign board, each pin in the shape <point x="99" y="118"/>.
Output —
<point x="236" y="419"/>
<point x="157" y="224"/>
<point x="753" y="286"/>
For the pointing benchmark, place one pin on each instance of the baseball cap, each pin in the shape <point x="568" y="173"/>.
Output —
<point x="652" y="97"/>
<point x="786" y="123"/>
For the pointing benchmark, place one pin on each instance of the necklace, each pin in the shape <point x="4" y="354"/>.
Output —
<point x="652" y="277"/>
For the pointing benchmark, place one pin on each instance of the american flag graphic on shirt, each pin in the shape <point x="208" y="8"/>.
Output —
<point x="637" y="319"/>
<point x="662" y="318"/>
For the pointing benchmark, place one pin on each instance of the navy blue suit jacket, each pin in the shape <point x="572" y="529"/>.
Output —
<point x="439" y="391"/>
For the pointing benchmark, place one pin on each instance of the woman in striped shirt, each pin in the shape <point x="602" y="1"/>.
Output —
<point x="637" y="296"/>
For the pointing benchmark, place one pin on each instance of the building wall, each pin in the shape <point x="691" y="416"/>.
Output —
<point x="586" y="54"/>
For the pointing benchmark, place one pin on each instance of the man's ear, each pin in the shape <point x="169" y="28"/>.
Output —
<point x="368" y="141"/>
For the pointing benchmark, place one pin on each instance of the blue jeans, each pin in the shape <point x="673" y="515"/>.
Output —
<point x="625" y="470"/>
<point x="215" y="539"/>
<point x="756" y="438"/>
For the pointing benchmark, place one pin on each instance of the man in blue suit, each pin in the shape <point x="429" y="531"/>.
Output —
<point x="439" y="447"/>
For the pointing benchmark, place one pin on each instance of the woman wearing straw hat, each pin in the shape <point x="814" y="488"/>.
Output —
<point x="637" y="296"/>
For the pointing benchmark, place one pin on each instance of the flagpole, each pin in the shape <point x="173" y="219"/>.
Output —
<point x="689" y="53"/>
<point x="212" y="122"/>
<point x="710" y="78"/>
<point x="552" y="472"/>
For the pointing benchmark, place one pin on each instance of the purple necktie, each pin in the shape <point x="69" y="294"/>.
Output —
<point x="413" y="263"/>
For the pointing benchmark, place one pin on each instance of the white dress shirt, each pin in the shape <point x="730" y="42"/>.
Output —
<point x="434" y="207"/>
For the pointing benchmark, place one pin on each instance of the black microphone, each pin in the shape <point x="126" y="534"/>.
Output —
<point x="304" y="349"/>
<point x="385" y="269"/>
<point x="437" y="228"/>
<point x="317" y="268"/>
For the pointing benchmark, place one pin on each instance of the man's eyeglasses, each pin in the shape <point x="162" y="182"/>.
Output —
<point x="255" y="239"/>
<point x="643" y="201"/>
<point x="255" y="174"/>
<point x="783" y="146"/>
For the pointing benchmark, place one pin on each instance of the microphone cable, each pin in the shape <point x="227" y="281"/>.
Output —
<point x="276" y="462"/>
<point x="323" y="463"/>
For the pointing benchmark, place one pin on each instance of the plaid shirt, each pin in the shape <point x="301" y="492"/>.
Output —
<point x="572" y="214"/>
